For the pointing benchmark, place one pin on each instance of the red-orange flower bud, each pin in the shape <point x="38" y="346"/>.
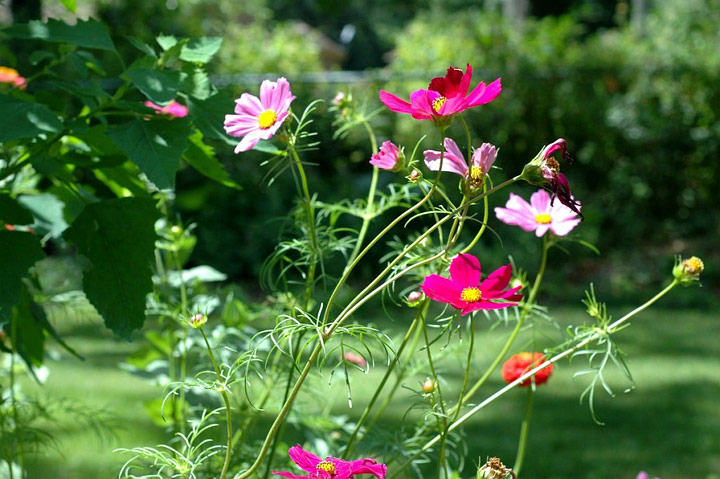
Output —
<point x="523" y="362"/>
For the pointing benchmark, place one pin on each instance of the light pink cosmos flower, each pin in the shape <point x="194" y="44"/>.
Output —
<point x="444" y="97"/>
<point x="330" y="467"/>
<point x="464" y="291"/>
<point x="259" y="118"/>
<point x="388" y="158"/>
<point x="173" y="109"/>
<point x="454" y="161"/>
<point x="540" y="215"/>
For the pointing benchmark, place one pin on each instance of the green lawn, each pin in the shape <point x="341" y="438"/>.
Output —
<point x="668" y="425"/>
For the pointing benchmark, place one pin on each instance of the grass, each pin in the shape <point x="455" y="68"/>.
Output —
<point x="668" y="425"/>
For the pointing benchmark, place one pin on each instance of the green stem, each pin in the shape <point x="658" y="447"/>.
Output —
<point x="467" y="369"/>
<point x="484" y="223"/>
<point x="524" y="429"/>
<point x="222" y="389"/>
<point x="13" y="399"/>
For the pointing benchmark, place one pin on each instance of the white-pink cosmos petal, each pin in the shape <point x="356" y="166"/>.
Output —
<point x="540" y="215"/>
<point x="453" y="160"/>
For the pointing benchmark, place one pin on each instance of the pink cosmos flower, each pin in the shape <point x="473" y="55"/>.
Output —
<point x="454" y="161"/>
<point x="173" y="109"/>
<point x="464" y="291"/>
<point x="12" y="77"/>
<point x="444" y="97"/>
<point x="388" y="158"/>
<point x="330" y="467"/>
<point x="259" y="118"/>
<point x="540" y="215"/>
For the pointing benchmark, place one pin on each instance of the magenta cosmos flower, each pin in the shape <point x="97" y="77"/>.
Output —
<point x="464" y="291"/>
<point x="330" y="467"/>
<point x="444" y="97"/>
<point x="259" y="118"/>
<point x="173" y="109"/>
<point x="388" y="158"/>
<point x="454" y="161"/>
<point x="540" y="215"/>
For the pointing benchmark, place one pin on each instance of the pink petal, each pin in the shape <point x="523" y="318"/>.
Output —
<point x="452" y="148"/>
<point x="420" y="101"/>
<point x="442" y="289"/>
<point x="515" y="217"/>
<point x="287" y="474"/>
<point x="248" y="104"/>
<point x="465" y="82"/>
<point x="240" y="125"/>
<point x="497" y="280"/>
<point x="282" y="97"/>
<point x="306" y="460"/>
<point x="249" y="141"/>
<point x="369" y="466"/>
<point x="541" y="229"/>
<point x="453" y="105"/>
<point x="508" y="294"/>
<point x="394" y="103"/>
<point x="562" y="228"/>
<point x="540" y="201"/>
<point x="450" y="163"/>
<point x="465" y="270"/>
<point x="482" y="94"/>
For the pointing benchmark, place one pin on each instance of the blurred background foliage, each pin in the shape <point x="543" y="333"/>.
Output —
<point x="631" y="85"/>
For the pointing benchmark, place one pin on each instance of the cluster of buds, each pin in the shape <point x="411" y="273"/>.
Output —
<point x="688" y="271"/>
<point x="494" y="469"/>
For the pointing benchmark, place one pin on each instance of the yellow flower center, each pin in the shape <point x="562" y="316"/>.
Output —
<point x="543" y="219"/>
<point x="326" y="466"/>
<point x="267" y="119"/>
<point x="438" y="103"/>
<point x="694" y="265"/>
<point x="471" y="295"/>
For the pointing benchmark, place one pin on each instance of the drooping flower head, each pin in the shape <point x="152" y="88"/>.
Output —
<point x="454" y="161"/>
<point x="330" y="467"/>
<point x="545" y="169"/>
<point x="11" y="76"/>
<point x="540" y="215"/>
<point x="259" y="118"/>
<point x="493" y="469"/>
<point x="444" y="97"/>
<point x="523" y="362"/>
<point x="390" y="157"/>
<point x="172" y="109"/>
<point x="464" y="291"/>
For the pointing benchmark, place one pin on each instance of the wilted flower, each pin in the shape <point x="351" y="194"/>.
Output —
<point x="523" y="362"/>
<point x="444" y="97"/>
<point x="198" y="320"/>
<point x="688" y="271"/>
<point x="259" y="118"/>
<point x="390" y="157"/>
<point x="173" y="109"/>
<point x="330" y="467"/>
<point x="454" y="161"/>
<point x="540" y="215"/>
<point x="464" y="291"/>
<point x="545" y="169"/>
<point x="355" y="359"/>
<point x="11" y="76"/>
<point x="493" y="469"/>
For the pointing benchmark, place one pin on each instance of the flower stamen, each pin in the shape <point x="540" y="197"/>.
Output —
<point x="471" y="295"/>
<point x="267" y="119"/>
<point x="437" y="103"/>
<point x="326" y="466"/>
<point x="543" y="219"/>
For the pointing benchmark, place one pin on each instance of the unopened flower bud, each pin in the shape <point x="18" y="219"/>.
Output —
<point x="414" y="176"/>
<point x="176" y="230"/>
<point x="428" y="386"/>
<point x="339" y="98"/>
<point x="198" y="320"/>
<point x="493" y="469"/>
<point x="414" y="298"/>
<point x="688" y="270"/>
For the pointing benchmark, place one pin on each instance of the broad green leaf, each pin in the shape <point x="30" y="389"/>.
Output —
<point x="118" y="237"/>
<point x="166" y="42"/>
<point x="142" y="46"/>
<point x="39" y="56"/>
<point x="201" y="49"/>
<point x="70" y="5"/>
<point x="160" y="86"/>
<point x="22" y="119"/>
<point x="88" y="33"/>
<point x="267" y="147"/>
<point x="18" y="252"/>
<point x="209" y="115"/>
<point x="12" y="212"/>
<point x="196" y="83"/>
<point x="29" y="340"/>
<point x="48" y="212"/>
<point x="156" y="146"/>
<point x="202" y="157"/>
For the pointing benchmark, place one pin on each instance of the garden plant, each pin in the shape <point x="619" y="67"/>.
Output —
<point x="90" y="149"/>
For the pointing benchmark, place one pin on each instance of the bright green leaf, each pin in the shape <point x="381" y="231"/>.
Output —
<point x="155" y="146"/>
<point x="88" y="33"/>
<point x="22" y="119"/>
<point x="160" y="86"/>
<point x="195" y="82"/>
<point x="206" y="274"/>
<point x="202" y="157"/>
<point x="48" y="212"/>
<point x="118" y="237"/>
<point x="166" y="42"/>
<point x="201" y="49"/>
<point x="11" y="212"/>
<point x="18" y="252"/>
<point x="209" y="115"/>
<point x="70" y="5"/>
<point x="142" y="46"/>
